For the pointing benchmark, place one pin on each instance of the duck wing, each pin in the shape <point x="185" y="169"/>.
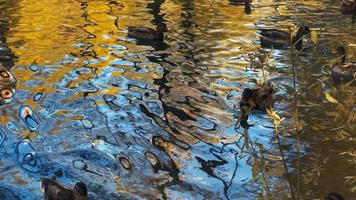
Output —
<point x="142" y="33"/>
<point x="274" y="34"/>
<point x="141" y="29"/>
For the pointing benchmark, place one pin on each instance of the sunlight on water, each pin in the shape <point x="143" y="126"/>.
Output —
<point x="142" y="119"/>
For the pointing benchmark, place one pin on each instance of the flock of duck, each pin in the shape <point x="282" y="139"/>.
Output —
<point x="259" y="98"/>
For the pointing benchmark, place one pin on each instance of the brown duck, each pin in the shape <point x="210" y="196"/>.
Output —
<point x="278" y="39"/>
<point x="344" y="71"/>
<point x="255" y="99"/>
<point x="55" y="191"/>
<point x="348" y="6"/>
<point x="147" y="33"/>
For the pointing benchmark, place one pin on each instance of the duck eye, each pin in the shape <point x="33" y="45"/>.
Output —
<point x="6" y="93"/>
<point x="125" y="162"/>
<point x="4" y="74"/>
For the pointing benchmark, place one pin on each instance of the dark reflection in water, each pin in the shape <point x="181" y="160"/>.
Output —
<point x="155" y="119"/>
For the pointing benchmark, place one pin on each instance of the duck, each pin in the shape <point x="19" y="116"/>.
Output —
<point x="343" y="71"/>
<point x="240" y="2"/>
<point x="147" y="33"/>
<point x="52" y="190"/>
<point x="348" y="6"/>
<point x="259" y="98"/>
<point x="334" y="196"/>
<point x="278" y="39"/>
<point x="246" y="3"/>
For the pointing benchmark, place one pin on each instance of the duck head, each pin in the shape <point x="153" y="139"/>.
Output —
<point x="303" y="30"/>
<point x="80" y="191"/>
<point x="341" y="51"/>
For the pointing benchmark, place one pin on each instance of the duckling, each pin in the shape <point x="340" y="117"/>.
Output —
<point x="334" y="196"/>
<point x="55" y="191"/>
<point x="348" y="6"/>
<point x="258" y="98"/>
<point x="278" y="39"/>
<point x="147" y="33"/>
<point x="344" y="71"/>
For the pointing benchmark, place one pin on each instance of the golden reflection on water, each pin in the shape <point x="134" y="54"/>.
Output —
<point x="217" y="37"/>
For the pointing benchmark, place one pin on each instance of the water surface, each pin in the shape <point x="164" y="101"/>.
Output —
<point x="156" y="120"/>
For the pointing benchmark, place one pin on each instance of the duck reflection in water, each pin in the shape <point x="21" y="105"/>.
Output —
<point x="144" y="33"/>
<point x="259" y="98"/>
<point x="55" y="191"/>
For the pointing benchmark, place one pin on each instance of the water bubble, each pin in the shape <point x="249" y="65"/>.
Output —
<point x="26" y="114"/>
<point x="151" y="158"/>
<point x="109" y="97"/>
<point x="6" y="93"/>
<point x="26" y="156"/>
<point x="87" y="124"/>
<point x="34" y="68"/>
<point x="125" y="162"/>
<point x="37" y="96"/>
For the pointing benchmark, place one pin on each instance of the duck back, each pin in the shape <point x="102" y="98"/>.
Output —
<point x="144" y="33"/>
<point x="274" y="34"/>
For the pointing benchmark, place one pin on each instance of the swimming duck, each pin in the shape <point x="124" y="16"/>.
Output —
<point x="278" y="39"/>
<point x="334" y="196"/>
<point x="240" y="2"/>
<point x="348" y="6"/>
<point x="258" y="99"/>
<point x="344" y="71"/>
<point x="246" y="3"/>
<point x="147" y="33"/>
<point x="55" y="191"/>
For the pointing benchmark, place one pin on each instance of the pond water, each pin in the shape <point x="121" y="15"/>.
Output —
<point x="140" y="119"/>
